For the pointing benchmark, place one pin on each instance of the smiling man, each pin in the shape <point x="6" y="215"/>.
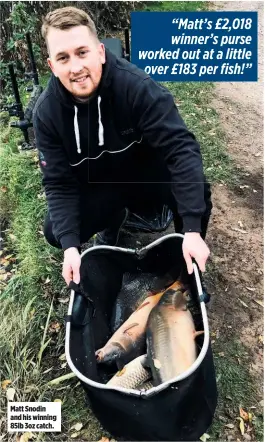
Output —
<point x="79" y="45"/>
<point x="111" y="139"/>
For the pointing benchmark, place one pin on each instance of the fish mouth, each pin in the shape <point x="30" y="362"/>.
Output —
<point x="99" y="355"/>
<point x="112" y="355"/>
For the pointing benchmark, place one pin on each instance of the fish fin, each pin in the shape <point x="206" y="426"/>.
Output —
<point x="121" y="372"/>
<point x="120" y="364"/>
<point x="145" y="363"/>
<point x="177" y="285"/>
<point x="197" y="333"/>
<point x="157" y="364"/>
<point x="142" y="305"/>
<point x="129" y="328"/>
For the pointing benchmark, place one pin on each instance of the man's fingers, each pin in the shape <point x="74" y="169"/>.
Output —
<point x="70" y="274"/>
<point x="67" y="274"/>
<point x="201" y="263"/>
<point x="201" y="260"/>
<point x="188" y="260"/>
<point x="71" y="265"/>
<point x="195" y="247"/>
<point x="76" y="274"/>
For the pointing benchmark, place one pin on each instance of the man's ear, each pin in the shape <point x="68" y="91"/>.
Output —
<point x="51" y="66"/>
<point x="102" y="53"/>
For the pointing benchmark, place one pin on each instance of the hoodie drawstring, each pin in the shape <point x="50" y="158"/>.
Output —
<point x="100" y="128"/>
<point x="77" y="134"/>
<point x="100" y="125"/>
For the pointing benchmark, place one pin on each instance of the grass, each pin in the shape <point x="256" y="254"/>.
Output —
<point x="26" y="351"/>
<point x="194" y="103"/>
<point x="236" y="389"/>
<point x="29" y="347"/>
<point x="29" y="351"/>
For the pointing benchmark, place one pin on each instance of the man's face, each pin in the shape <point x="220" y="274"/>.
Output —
<point x="76" y="58"/>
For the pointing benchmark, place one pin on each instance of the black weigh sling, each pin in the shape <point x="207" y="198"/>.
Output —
<point x="179" y="410"/>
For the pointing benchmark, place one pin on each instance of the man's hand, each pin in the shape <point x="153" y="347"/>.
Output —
<point x="194" y="247"/>
<point x="71" y="265"/>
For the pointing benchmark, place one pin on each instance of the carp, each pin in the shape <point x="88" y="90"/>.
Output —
<point x="170" y="336"/>
<point x="145" y="386"/>
<point x="132" y="374"/>
<point x="129" y="340"/>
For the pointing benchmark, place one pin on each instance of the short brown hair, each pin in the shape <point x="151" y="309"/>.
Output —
<point x="66" y="18"/>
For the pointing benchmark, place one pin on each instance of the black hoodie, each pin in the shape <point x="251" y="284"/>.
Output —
<point x="129" y="123"/>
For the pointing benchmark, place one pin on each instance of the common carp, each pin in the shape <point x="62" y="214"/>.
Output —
<point x="132" y="374"/>
<point x="129" y="340"/>
<point x="170" y="335"/>
<point x="145" y="386"/>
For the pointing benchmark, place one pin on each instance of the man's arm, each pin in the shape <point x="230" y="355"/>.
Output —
<point x="156" y="116"/>
<point x="60" y="185"/>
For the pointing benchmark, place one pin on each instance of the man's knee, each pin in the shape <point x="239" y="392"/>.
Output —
<point x="48" y="233"/>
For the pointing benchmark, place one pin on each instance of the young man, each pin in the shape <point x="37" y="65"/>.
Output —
<point x="110" y="138"/>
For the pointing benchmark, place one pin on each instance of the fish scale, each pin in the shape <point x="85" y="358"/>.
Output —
<point x="132" y="375"/>
<point x="129" y="340"/>
<point x="145" y="386"/>
<point x="171" y="347"/>
<point x="162" y="335"/>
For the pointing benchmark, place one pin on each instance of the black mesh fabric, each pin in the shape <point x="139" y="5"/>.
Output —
<point x="111" y="280"/>
<point x="155" y="221"/>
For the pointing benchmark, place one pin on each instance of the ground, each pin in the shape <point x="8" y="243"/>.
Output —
<point x="236" y="231"/>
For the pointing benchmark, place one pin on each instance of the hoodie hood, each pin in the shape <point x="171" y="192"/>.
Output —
<point x="101" y="93"/>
